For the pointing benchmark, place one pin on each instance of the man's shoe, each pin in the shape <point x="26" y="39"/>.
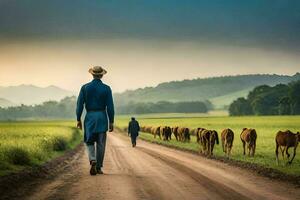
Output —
<point x="99" y="171"/>
<point x="93" y="170"/>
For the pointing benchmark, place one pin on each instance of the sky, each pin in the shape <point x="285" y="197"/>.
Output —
<point x="142" y="43"/>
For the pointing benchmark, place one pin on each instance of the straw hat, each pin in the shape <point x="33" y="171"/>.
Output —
<point x="97" y="70"/>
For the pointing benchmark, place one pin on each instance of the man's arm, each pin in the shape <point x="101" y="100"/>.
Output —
<point x="110" y="110"/>
<point x="79" y="109"/>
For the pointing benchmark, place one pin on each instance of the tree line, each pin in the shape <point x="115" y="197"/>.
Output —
<point x="165" y="107"/>
<point x="282" y="99"/>
<point x="65" y="109"/>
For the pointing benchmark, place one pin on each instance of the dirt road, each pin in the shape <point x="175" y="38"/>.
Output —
<point x="151" y="171"/>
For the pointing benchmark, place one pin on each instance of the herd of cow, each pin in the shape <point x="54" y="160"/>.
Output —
<point x="208" y="138"/>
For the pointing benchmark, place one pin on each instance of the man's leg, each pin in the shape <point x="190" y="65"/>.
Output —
<point x="92" y="158"/>
<point x="133" y="140"/>
<point x="101" y="143"/>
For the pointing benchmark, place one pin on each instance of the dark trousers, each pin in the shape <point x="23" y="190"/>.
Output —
<point x="133" y="139"/>
<point x="97" y="152"/>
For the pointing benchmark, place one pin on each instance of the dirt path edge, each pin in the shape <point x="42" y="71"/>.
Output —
<point x="12" y="184"/>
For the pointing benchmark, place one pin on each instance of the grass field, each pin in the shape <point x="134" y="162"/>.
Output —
<point x="26" y="144"/>
<point x="266" y="127"/>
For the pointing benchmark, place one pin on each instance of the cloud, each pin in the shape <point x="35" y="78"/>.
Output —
<point x="252" y="23"/>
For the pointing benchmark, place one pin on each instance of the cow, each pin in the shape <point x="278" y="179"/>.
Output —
<point x="208" y="139"/>
<point x="156" y="131"/>
<point x="187" y="136"/>
<point x="175" y="132"/>
<point x="227" y="137"/>
<point x="167" y="132"/>
<point x="143" y="128"/>
<point x="198" y="134"/>
<point x="148" y="129"/>
<point x="184" y="134"/>
<point x="161" y="132"/>
<point x="152" y="130"/>
<point x="286" y="139"/>
<point x="199" y="139"/>
<point x="249" y="136"/>
<point x="180" y="131"/>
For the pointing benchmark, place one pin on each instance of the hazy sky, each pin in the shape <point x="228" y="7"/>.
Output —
<point x="142" y="43"/>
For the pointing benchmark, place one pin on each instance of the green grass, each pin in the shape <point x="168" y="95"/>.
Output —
<point x="266" y="127"/>
<point x="27" y="144"/>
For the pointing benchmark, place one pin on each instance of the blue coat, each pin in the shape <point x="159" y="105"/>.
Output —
<point x="97" y="99"/>
<point x="133" y="128"/>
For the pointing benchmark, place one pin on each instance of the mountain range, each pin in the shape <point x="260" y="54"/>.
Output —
<point x="221" y="91"/>
<point x="6" y="103"/>
<point x="30" y="94"/>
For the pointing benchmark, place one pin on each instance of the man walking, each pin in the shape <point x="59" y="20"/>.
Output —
<point x="133" y="130"/>
<point x="97" y="99"/>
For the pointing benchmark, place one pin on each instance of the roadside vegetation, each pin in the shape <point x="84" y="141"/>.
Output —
<point x="266" y="127"/>
<point x="28" y="144"/>
<point x="267" y="100"/>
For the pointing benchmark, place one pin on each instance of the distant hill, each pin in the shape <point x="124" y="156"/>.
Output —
<point x="221" y="91"/>
<point x="4" y="103"/>
<point x="30" y="94"/>
<point x="222" y="102"/>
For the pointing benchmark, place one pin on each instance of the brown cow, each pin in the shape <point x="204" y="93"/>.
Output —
<point x="156" y="131"/>
<point x="166" y="133"/>
<point x="184" y="134"/>
<point x="227" y="137"/>
<point x="143" y="128"/>
<point x="208" y="140"/>
<point x="161" y="132"/>
<point x="148" y="129"/>
<point x="175" y="132"/>
<point x="286" y="139"/>
<point x="198" y="134"/>
<point x="199" y="139"/>
<point x="187" y="136"/>
<point x="249" y="136"/>
<point x="180" y="131"/>
<point x="152" y="130"/>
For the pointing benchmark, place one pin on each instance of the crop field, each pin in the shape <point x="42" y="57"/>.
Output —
<point x="266" y="127"/>
<point x="25" y="144"/>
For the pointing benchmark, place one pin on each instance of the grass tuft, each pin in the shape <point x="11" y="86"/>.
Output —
<point x="60" y="143"/>
<point x="17" y="155"/>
